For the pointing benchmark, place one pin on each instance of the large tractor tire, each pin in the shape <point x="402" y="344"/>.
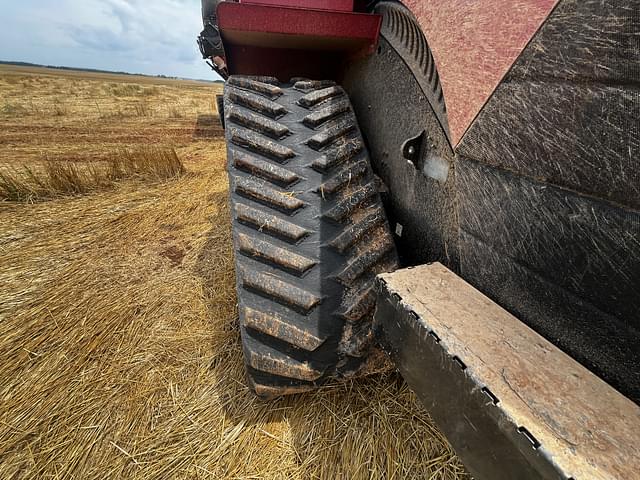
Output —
<point x="309" y="231"/>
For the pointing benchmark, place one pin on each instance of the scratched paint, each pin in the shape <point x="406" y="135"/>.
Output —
<point x="549" y="188"/>
<point x="475" y="44"/>
<point x="581" y="136"/>
<point x="566" y="113"/>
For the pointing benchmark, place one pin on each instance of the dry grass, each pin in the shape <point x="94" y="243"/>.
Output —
<point x="57" y="178"/>
<point x="120" y="354"/>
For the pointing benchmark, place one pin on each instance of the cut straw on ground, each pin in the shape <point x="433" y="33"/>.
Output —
<point x="120" y="353"/>
<point x="53" y="179"/>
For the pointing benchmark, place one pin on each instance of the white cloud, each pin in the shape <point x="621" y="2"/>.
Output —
<point x="146" y="36"/>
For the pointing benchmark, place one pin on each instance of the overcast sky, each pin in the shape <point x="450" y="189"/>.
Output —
<point x="138" y="36"/>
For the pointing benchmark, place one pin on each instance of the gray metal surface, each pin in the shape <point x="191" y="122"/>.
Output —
<point x="548" y="188"/>
<point x="540" y="206"/>
<point x="420" y="204"/>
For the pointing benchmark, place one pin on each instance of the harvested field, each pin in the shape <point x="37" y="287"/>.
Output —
<point x="119" y="350"/>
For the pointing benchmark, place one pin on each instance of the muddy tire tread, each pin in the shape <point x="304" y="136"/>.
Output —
<point x="309" y="232"/>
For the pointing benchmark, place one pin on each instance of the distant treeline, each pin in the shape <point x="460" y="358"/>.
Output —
<point x="95" y="70"/>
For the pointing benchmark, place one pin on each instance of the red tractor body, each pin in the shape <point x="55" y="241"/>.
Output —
<point x="268" y="38"/>
<point x="474" y="43"/>
<point x="504" y="137"/>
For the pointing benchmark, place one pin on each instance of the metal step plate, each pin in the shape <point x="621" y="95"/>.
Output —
<point x="512" y="404"/>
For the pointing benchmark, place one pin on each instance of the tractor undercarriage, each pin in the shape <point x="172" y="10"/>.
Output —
<point x="521" y="181"/>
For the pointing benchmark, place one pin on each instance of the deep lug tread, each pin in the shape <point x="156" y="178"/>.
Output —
<point x="344" y="151"/>
<point x="262" y="85"/>
<point x="256" y="122"/>
<point x="266" y="79"/>
<point x="317" y="118"/>
<point x="269" y="223"/>
<point x="256" y="103"/>
<point x="365" y="260"/>
<point x="257" y="143"/>
<point x="263" y="169"/>
<point x="266" y="359"/>
<point x="336" y="130"/>
<point x="281" y="257"/>
<point x="269" y="392"/>
<point x="280" y="291"/>
<point x="267" y="195"/>
<point x="345" y="177"/>
<point x="305" y="85"/>
<point x="363" y="226"/>
<point x="274" y="325"/>
<point x="318" y="96"/>
<point x="352" y="201"/>
<point x="359" y="341"/>
<point x="306" y="259"/>
<point x="361" y="303"/>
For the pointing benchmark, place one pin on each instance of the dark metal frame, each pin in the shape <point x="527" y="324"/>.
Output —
<point x="491" y="446"/>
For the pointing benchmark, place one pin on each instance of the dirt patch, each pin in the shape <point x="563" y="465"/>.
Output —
<point x="174" y="255"/>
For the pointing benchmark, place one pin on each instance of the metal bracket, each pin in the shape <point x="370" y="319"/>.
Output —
<point x="512" y="404"/>
<point x="413" y="148"/>
<point x="211" y="47"/>
<point x="420" y="152"/>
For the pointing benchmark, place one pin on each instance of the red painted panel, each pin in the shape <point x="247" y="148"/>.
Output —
<point x="291" y="42"/>
<point x="474" y="44"/>
<point x="336" y="5"/>
<point x="242" y="21"/>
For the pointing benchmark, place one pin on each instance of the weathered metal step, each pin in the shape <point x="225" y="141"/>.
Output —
<point x="512" y="404"/>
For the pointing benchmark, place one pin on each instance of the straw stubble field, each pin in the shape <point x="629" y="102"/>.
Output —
<point x="119" y="349"/>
